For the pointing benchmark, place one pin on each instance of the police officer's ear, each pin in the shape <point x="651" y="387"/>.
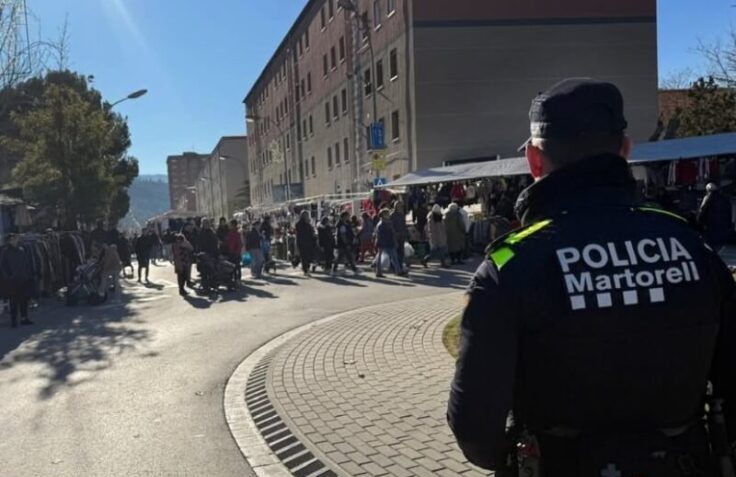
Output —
<point x="537" y="160"/>
<point x="626" y="146"/>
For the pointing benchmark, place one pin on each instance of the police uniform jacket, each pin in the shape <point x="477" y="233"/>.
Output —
<point x="598" y="315"/>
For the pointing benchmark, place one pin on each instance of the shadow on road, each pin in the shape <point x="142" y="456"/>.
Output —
<point x="72" y="343"/>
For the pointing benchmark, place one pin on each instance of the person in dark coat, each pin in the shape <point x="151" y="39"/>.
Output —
<point x="305" y="241"/>
<point x="253" y="246"/>
<point x="182" y="251"/>
<point x="386" y="243"/>
<point x="345" y="238"/>
<point x="455" y="228"/>
<point x="99" y="234"/>
<point x="401" y="232"/>
<point x="123" y="245"/>
<point x="714" y="217"/>
<point x="326" y="239"/>
<point x="222" y="231"/>
<point x="208" y="241"/>
<point x="143" y="249"/>
<point x="17" y="274"/>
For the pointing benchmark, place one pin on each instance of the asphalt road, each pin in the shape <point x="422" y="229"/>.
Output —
<point x="135" y="389"/>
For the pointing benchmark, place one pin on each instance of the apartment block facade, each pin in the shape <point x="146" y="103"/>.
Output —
<point x="183" y="170"/>
<point x="452" y="81"/>
<point x="222" y="178"/>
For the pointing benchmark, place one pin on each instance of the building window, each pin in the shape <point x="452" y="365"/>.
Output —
<point x="309" y="83"/>
<point x="304" y="129"/>
<point x="364" y="21"/>
<point x="314" y="169"/>
<point x="297" y="97"/>
<point x="393" y="65"/>
<point x="329" y="157"/>
<point x="306" y="39"/>
<point x="333" y="58"/>
<point x="300" y="47"/>
<point x="379" y="75"/>
<point x="344" y="94"/>
<point x="303" y="89"/>
<point x="298" y="131"/>
<point x="288" y="141"/>
<point x="395" y="126"/>
<point x="390" y="8"/>
<point x="311" y="126"/>
<point x="331" y="8"/>
<point x="337" y="153"/>
<point x="377" y="14"/>
<point x="335" y="108"/>
<point x="324" y="64"/>
<point x="322" y="18"/>
<point x="306" y="168"/>
<point x="327" y="113"/>
<point x="341" y="47"/>
<point x="367" y="82"/>
<point x="346" y="149"/>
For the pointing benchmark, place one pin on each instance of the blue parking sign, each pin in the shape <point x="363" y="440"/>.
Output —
<point x="378" y="136"/>
<point x="379" y="181"/>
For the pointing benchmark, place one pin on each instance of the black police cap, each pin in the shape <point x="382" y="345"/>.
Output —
<point x="576" y="106"/>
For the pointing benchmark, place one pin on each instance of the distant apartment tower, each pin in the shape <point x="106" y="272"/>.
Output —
<point x="453" y="80"/>
<point x="222" y="187"/>
<point x="183" y="170"/>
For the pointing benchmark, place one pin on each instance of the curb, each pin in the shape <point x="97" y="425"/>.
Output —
<point x="243" y="427"/>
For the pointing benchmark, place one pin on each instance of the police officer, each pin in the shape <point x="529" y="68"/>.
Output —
<point x="599" y="323"/>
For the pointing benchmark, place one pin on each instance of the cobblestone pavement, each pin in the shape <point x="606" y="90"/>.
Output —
<point x="367" y="393"/>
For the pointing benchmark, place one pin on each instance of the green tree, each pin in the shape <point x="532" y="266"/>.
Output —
<point x="711" y="109"/>
<point x="70" y="148"/>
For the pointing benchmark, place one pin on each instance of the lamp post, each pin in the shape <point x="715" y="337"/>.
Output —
<point x="362" y="22"/>
<point x="255" y="119"/>
<point x="133" y="95"/>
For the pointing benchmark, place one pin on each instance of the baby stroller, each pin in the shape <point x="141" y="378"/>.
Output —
<point x="85" y="284"/>
<point x="216" y="273"/>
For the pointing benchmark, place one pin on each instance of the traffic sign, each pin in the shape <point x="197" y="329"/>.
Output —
<point x="379" y="181"/>
<point x="378" y="163"/>
<point x="378" y="136"/>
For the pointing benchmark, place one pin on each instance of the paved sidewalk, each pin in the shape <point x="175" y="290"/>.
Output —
<point x="366" y="393"/>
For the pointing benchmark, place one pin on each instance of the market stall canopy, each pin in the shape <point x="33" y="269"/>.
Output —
<point x="464" y="172"/>
<point x="686" y="148"/>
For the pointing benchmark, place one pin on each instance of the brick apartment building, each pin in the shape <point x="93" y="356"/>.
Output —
<point x="453" y="81"/>
<point x="183" y="171"/>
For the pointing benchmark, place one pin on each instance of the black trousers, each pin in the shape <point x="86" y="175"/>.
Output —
<point x="345" y="255"/>
<point x="18" y="303"/>
<point x="181" y="279"/>
<point x="329" y="258"/>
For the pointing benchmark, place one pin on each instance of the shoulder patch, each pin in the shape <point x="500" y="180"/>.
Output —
<point x="500" y="252"/>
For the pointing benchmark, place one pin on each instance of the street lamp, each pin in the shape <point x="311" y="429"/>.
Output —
<point x="254" y="119"/>
<point x="133" y="95"/>
<point x="362" y="21"/>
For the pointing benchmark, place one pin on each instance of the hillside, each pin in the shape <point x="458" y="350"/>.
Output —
<point x="149" y="197"/>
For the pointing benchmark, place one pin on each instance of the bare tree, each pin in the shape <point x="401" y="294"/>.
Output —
<point x="682" y="79"/>
<point x="720" y="56"/>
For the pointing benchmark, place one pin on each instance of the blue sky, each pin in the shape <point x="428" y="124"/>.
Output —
<point x="198" y="58"/>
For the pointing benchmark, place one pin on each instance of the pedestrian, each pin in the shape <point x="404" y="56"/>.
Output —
<point x="222" y="230"/>
<point x="267" y="233"/>
<point x="305" y="241"/>
<point x="110" y="267"/>
<point x="183" y="253"/>
<point x="143" y="250"/>
<point x="714" y="218"/>
<point x="386" y="244"/>
<point x="125" y="255"/>
<point x="366" y="237"/>
<point x="600" y="323"/>
<point x="455" y="228"/>
<point x="234" y="248"/>
<point x="344" y="239"/>
<point x="99" y="234"/>
<point x="16" y="272"/>
<point x="422" y="216"/>
<point x="253" y="246"/>
<point x="326" y="241"/>
<point x="401" y="231"/>
<point x="209" y="245"/>
<point x="437" y="234"/>
<point x="191" y="233"/>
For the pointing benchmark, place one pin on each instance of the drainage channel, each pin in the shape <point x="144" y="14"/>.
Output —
<point x="282" y="442"/>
